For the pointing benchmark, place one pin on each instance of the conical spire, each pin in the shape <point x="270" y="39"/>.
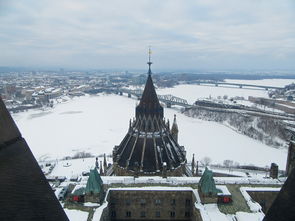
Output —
<point x="174" y="126"/>
<point x="174" y="129"/>
<point x="149" y="102"/>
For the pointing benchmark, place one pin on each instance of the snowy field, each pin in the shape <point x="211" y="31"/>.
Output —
<point x="193" y="92"/>
<point x="97" y="123"/>
<point x="264" y="82"/>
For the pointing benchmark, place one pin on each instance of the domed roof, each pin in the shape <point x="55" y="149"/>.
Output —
<point x="149" y="144"/>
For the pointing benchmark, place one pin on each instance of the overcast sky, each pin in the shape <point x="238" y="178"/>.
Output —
<point x="184" y="34"/>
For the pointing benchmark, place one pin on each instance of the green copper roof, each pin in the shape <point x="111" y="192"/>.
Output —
<point x="207" y="184"/>
<point x="94" y="183"/>
<point x="79" y="192"/>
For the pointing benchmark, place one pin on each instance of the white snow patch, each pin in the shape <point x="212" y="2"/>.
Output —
<point x="243" y="216"/>
<point x="76" y="215"/>
<point x="214" y="214"/>
<point x="98" y="212"/>
<point x="89" y="204"/>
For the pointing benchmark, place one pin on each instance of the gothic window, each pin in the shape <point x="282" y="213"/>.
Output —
<point x="173" y="202"/>
<point x="142" y="214"/>
<point x="158" y="214"/>
<point x="128" y="213"/>
<point x="158" y="202"/>
<point x="113" y="214"/>
<point x="187" y="202"/>
<point x="128" y="202"/>
<point x="187" y="214"/>
<point x="172" y="214"/>
<point x="142" y="202"/>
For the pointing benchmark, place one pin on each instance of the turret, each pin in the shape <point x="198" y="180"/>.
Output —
<point x="174" y="129"/>
<point x="105" y="165"/>
<point x="101" y="170"/>
<point x="193" y="164"/>
<point x="291" y="156"/>
<point x="96" y="163"/>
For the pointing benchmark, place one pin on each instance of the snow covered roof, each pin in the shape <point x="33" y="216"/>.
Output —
<point x="224" y="190"/>
<point x="152" y="188"/>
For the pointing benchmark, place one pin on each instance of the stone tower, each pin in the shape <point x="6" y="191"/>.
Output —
<point x="149" y="146"/>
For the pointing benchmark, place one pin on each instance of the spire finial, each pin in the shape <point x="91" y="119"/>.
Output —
<point x="149" y="62"/>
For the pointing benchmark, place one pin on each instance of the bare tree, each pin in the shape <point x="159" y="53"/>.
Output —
<point x="206" y="161"/>
<point x="228" y="163"/>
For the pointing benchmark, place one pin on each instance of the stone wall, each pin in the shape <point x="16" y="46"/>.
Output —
<point x="152" y="205"/>
<point x="265" y="199"/>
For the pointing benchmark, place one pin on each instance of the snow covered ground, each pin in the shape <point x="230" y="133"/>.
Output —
<point x="96" y="124"/>
<point x="263" y="82"/>
<point x="192" y="92"/>
<point x="76" y="215"/>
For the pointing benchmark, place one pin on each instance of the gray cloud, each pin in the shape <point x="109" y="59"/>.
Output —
<point x="189" y="34"/>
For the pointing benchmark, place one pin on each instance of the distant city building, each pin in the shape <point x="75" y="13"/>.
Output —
<point x="149" y="147"/>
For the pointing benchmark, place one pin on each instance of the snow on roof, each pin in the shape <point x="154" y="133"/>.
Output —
<point x="243" y="216"/>
<point x="98" y="211"/>
<point x="254" y="206"/>
<point x="152" y="188"/>
<point x="76" y="215"/>
<point x="77" y="187"/>
<point x="213" y="213"/>
<point x="224" y="190"/>
<point x="186" y="180"/>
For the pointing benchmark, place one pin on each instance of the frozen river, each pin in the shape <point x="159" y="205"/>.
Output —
<point x="97" y="123"/>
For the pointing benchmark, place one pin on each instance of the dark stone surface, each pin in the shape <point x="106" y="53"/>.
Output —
<point x="283" y="207"/>
<point x="149" y="103"/>
<point x="264" y="198"/>
<point x="8" y="129"/>
<point x="24" y="190"/>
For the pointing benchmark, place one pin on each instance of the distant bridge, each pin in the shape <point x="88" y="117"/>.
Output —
<point x="217" y="83"/>
<point x="168" y="99"/>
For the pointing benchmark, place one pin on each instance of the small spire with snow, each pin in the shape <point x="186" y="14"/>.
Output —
<point x="193" y="164"/>
<point x="174" y="129"/>
<point x="105" y="164"/>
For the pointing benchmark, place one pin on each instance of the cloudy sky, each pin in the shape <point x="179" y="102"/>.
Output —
<point x="184" y="34"/>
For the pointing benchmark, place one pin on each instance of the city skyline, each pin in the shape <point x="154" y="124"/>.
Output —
<point x="194" y="35"/>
